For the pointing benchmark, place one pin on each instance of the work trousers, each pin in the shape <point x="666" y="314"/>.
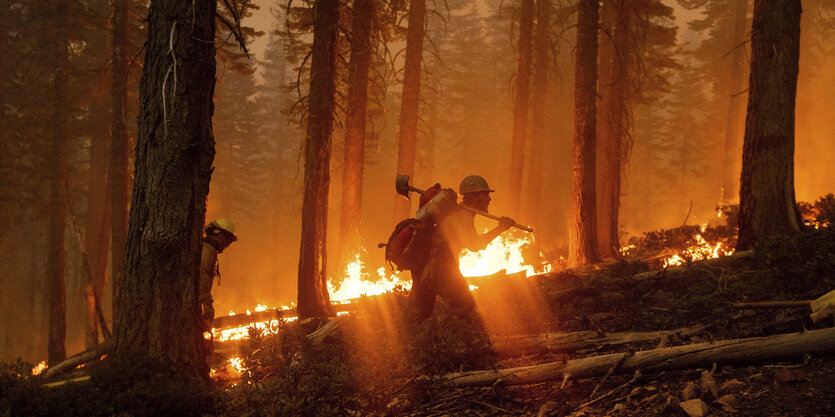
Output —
<point x="440" y="276"/>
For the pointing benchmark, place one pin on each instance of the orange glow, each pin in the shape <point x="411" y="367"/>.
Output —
<point x="701" y="250"/>
<point x="503" y="253"/>
<point x="39" y="368"/>
<point x="357" y="282"/>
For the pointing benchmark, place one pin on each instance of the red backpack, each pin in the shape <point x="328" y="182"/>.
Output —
<point x="409" y="245"/>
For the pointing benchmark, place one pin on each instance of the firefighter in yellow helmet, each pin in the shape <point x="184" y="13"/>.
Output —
<point x="454" y="232"/>
<point x="219" y="234"/>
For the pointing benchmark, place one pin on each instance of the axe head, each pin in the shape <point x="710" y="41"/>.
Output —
<point x="401" y="184"/>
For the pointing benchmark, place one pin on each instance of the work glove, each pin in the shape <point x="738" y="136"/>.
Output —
<point x="506" y="223"/>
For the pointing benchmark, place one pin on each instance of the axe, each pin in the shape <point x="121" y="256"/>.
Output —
<point x="401" y="184"/>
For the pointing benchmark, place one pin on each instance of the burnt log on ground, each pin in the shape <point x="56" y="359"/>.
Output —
<point x="738" y="351"/>
<point x="570" y="342"/>
<point x="238" y="320"/>
<point x="766" y="305"/>
<point x="81" y="358"/>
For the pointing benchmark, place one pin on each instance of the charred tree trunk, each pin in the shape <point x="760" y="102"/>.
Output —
<point x="582" y="245"/>
<point x="407" y="139"/>
<point x="766" y="197"/>
<point x="613" y="129"/>
<point x="520" y="106"/>
<point x="542" y="61"/>
<point x="119" y="140"/>
<point x="731" y="153"/>
<point x="58" y="183"/>
<point x="98" y="216"/>
<point x="314" y="300"/>
<point x="158" y="311"/>
<point x="355" y="121"/>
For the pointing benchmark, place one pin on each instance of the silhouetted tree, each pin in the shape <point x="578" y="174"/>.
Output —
<point x="582" y="246"/>
<point x="355" y="121"/>
<point x="58" y="184"/>
<point x="314" y="300"/>
<point x="158" y="314"/>
<point x="520" y="105"/>
<point x="407" y="137"/>
<point x="766" y="198"/>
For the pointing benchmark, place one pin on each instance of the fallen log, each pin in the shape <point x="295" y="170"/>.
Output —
<point x="238" y="320"/>
<point x="750" y="350"/>
<point x="570" y="342"/>
<point x="81" y="358"/>
<point x="764" y="305"/>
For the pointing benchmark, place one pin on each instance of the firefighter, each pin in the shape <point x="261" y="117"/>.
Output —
<point x="454" y="232"/>
<point x="220" y="234"/>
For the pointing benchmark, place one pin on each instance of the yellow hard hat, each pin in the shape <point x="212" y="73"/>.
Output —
<point x="473" y="184"/>
<point x="223" y="224"/>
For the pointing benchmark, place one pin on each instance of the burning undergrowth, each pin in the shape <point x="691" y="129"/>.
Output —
<point x="369" y="364"/>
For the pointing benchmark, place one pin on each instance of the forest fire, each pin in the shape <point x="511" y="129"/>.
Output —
<point x="504" y="253"/>
<point x="701" y="250"/>
<point x="39" y="368"/>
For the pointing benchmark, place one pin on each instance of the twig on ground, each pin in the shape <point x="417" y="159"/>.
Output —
<point x="608" y="394"/>
<point x="609" y="372"/>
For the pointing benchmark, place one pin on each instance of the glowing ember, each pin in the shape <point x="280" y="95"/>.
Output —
<point x="701" y="250"/>
<point x="237" y="364"/>
<point x="358" y="283"/>
<point x="39" y="368"/>
<point x="503" y="253"/>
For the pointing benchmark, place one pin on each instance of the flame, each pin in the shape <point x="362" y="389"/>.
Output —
<point x="503" y="253"/>
<point x="701" y="250"/>
<point x="39" y="368"/>
<point x="358" y="283"/>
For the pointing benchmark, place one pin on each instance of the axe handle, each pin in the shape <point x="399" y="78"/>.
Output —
<point x="483" y="213"/>
<point x="490" y="216"/>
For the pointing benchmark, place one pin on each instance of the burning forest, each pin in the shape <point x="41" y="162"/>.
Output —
<point x="378" y="208"/>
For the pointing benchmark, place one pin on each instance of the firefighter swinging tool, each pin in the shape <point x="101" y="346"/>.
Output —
<point x="402" y="186"/>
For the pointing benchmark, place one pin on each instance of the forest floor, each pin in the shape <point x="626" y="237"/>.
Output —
<point x="379" y="362"/>
<point x="396" y="368"/>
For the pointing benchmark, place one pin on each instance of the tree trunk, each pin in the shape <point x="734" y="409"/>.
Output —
<point x="314" y="300"/>
<point x="352" y="173"/>
<point x="407" y="139"/>
<point x="539" y="131"/>
<point x="97" y="222"/>
<point x="767" y="204"/>
<point x="58" y="187"/>
<point x="158" y="311"/>
<point x="613" y="129"/>
<point x="520" y="106"/>
<point x="119" y="140"/>
<point x="731" y="153"/>
<point x="582" y="246"/>
<point x="739" y="351"/>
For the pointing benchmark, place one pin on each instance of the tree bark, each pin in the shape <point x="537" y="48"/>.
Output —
<point x="58" y="188"/>
<point x="158" y="311"/>
<point x="520" y="106"/>
<point x="613" y="132"/>
<point x="119" y="141"/>
<point x="97" y="222"/>
<point x="407" y="138"/>
<point x="731" y="153"/>
<point x="582" y="245"/>
<point x="737" y="351"/>
<point x="314" y="300"/>
<point x="767" y="204"/>
<point x="539" y="131"/>
<point x="355" y="121"/>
